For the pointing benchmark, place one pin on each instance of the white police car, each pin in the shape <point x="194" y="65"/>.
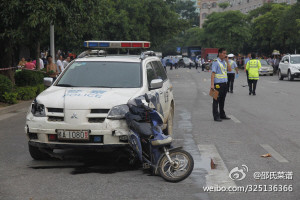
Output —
<point x="85" y="106"/>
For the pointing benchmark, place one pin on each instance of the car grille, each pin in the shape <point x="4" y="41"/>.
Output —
<point x="99" y="110"/>
<point x="56" y="110"/>
<point x="96" y="120"/>
<point x="55" y="119"/>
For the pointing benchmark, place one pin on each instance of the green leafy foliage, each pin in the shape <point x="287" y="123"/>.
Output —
<point x="226" y="29"/>
<point x="223" y="5"/>
<point x="28" y="78"/>
<point x="6" y="86"/>
<point x="10" y="97"/>
<point x="29" y="92"/>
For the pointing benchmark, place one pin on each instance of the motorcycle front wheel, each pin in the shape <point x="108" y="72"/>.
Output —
<point x="180" y="170"/>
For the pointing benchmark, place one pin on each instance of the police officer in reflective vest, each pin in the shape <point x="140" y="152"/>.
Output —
<point x="220" y="66"/>
<point x="252" y="67"/>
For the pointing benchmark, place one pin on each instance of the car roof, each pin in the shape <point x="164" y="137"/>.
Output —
<point x="115" y="58"/>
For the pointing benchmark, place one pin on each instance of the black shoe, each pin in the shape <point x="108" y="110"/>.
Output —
<point x="231" y="91"/>
<point x="249" y="93"/>
<point x="225" y="117"/>
<point x="218" y="120"/>
<point x="254" y="93"/>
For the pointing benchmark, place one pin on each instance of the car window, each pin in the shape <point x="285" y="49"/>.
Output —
<point x="295" y="60"/>
<point x="264" y="62"/>
<point x="150" y="73"/>
<point x="102" y="74"/>
<point x="159" y="69"/>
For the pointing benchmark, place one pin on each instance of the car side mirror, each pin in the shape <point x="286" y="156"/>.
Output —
<point x="286" y="62"/>
<point x="156" y="84"/>
<point x="48" y="81"/>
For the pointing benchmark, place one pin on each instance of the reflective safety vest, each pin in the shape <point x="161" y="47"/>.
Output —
<point x="253" y="66"/>
<point x="223" y="69"/>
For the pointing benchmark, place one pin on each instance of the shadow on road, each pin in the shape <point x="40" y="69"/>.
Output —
<point x="89" y="162"/>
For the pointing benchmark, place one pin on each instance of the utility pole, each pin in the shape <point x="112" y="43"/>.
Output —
<point x="52" y="48"/>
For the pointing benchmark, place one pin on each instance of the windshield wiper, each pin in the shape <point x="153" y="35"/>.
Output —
<point x="65" y="85"/>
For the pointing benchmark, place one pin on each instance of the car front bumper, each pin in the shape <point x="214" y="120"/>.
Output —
<point x="112" y="133"/>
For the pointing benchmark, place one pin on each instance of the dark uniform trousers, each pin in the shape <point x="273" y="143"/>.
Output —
<point x="231" y="77"/>
<point x="252" y="86"/>
<point x="220" y="101"/>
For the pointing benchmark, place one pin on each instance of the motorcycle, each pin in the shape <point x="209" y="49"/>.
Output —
<point x="151" y="147"/>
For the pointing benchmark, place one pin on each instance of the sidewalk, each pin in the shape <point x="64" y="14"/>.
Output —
<point x="15" y="107"/>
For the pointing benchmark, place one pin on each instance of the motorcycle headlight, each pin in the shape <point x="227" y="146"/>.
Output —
<point x="118" y="112"/>
<point x="38" y="110"/>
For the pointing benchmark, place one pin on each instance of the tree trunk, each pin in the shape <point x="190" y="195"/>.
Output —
<point x="37" y="54"/>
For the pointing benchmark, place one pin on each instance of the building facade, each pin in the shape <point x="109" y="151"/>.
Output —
<point x="207" y="7"/>
<point x="245" y="6"/>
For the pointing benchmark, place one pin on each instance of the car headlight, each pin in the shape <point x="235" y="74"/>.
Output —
<point x="118" y="112"/>
<point x="38" y="110"/>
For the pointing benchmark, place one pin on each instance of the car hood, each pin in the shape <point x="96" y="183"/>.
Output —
<point x="85" y="98"/>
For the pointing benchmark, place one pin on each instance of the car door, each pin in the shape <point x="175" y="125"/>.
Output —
<point x="156" y="94"/>
<point x="165" y="90"/>
<point x="284" y="66"/>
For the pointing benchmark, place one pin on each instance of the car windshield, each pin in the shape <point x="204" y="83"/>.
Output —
<point x="263" y="62"/>
<point x="295" y="60"/>
<point x="102" y="74"/>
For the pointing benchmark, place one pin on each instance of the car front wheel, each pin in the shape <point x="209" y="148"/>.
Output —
<point x="290" y="77"/>
<point x="280" y="75"/>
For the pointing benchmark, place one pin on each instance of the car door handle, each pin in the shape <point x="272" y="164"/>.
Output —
<point x="160" y="92"/>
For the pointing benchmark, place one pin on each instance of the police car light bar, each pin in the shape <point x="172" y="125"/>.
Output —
<point x="116" y="44"/>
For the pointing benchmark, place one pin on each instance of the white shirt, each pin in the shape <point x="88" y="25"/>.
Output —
<point x="41" y="64"/>
<point x="59" y="63"/>
<point x="65" y="63"/>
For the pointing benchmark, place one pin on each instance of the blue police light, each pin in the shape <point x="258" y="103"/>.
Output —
<point x="103" y="44"/>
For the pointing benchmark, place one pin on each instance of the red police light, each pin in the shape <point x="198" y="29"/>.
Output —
<point x="146" y="45"/>
<point x="137" y="45"/>
<point x="125" y="44"/>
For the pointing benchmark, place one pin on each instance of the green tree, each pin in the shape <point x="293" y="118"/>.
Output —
<point x="266" y="31"/>
<point x="223" y="5"/>
<point x="289" y="27"/>
<point x="226" y="29"/>
<point x="187" y="10"/>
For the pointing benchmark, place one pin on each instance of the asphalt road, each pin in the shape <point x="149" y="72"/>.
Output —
<point x="261" y="124"/>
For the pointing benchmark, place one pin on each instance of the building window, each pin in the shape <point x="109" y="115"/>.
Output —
<point x="204" y="6"/>
<point x="204" y="16"/>
<point x="214" y="4"/>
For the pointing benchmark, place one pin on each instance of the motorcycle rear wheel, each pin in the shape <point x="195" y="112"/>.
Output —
<point x="184" y="165"/>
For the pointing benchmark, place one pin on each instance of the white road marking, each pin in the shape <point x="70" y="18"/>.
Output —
<point x="204" y="93"/>
<point x="234" y="119"/>
<point x="274" y="153"/>
<point x="220" y="175"/>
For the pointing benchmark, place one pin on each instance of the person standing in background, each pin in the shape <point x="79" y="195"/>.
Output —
<point x="59" y="63"/>
<point x="245" y="63"/>
<point x="231" y="74"/>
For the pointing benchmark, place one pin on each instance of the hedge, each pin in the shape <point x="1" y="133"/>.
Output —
<point x="22" y="93"/>
<point x="28" y="78"/>
<point x="5" y="86"/>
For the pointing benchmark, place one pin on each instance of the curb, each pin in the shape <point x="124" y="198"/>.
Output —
<point x="15" y="107"/>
